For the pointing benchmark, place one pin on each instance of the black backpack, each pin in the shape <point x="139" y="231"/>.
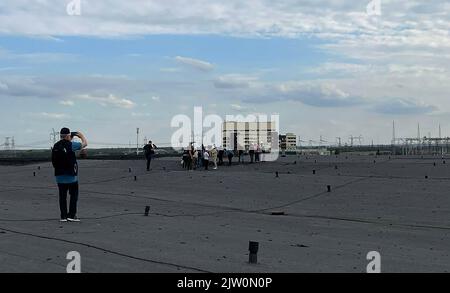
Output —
<point x="63" y="159"/>
<point x="148" y="150"/>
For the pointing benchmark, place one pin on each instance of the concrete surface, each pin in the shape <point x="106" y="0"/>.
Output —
<point x="202" y="221"/>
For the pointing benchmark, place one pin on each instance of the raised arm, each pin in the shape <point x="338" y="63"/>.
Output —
<point x="84" y="142"/>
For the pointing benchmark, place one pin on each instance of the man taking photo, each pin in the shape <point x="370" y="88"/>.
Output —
<point x="149" y="152"/>
<point x="66" y="171"/>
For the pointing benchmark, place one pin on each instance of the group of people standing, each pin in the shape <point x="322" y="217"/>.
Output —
<point x="202" y="157"/>
<point x="196" y="158"/>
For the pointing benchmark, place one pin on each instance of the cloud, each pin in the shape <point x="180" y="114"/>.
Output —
<point x="37" y="57"/>
<point x="404" y="107"/>
<point x="195" y="63"/>
<point x="238" y="107"/>
<point x="25" y="86"/>
<point x="67" y="103"/>
<point x="317" y="94"/>
<point x="340" y="68"/>
<point x="109" y="100"/>
<point x="234" y="81"/>
<point x="46" y="115"/>
<point x="156" y="98"/>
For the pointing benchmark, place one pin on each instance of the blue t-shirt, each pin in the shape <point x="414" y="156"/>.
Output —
<point x="67" y="179"/>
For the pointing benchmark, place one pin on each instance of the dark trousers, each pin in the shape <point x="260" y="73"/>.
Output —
<point x="149" y="161"/>
<point x="72" y="188"/>
<point x="206" y="163"/>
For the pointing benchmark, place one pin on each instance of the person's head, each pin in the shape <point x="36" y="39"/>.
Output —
<point x="65" y="134"/>
<point x="150" y="142"/>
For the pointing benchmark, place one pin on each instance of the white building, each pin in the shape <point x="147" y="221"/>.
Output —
<point x="243" y="135"/>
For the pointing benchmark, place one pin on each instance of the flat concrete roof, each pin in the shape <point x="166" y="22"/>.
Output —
<point x="202" y="221"/>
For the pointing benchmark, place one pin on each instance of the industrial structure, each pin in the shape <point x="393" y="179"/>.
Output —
<point x="419" y="145"/>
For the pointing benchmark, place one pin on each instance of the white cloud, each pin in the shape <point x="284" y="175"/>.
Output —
<point x="109" y="100"/>
<point x="46" y="115"/>
<point x="195" y="63"/>
<point x="234" y="81"/>
<point x="238" y="107"/>
<point x="67" y="103"/>
<point x="156" y="98"/>
<point x="340" y="68"/>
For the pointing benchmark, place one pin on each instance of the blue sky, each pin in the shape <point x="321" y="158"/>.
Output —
<point x="326" y="67"/>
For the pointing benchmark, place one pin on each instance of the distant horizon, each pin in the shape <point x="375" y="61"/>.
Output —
<point x="327" y="68"/>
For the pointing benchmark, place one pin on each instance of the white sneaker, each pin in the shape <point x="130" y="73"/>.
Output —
<point x="63" y="220"/>
<point x="73" y="220"/>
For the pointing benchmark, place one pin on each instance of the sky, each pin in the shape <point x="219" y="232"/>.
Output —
<point x="327" y="68"/>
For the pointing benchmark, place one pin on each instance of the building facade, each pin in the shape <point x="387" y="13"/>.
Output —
<point x="247" y="135"/>
<point x="288" y="142"/>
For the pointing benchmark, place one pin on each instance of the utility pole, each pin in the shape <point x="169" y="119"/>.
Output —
<point x="418" y="132"/>
<point x="13" y="146"/>
<point x="137" y="141"/>
<point x="393" y="132"/>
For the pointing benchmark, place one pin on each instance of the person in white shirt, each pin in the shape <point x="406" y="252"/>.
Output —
<point x="206" y="159"/>
<point x="214" y="156"/>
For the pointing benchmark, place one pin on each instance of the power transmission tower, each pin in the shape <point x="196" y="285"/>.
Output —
<point x="13" y="146"/>
<point x="322" y="140"/>
<point x="54" y="136"/>
<point x="339" y="141"/>
<point x="7" y="145"/>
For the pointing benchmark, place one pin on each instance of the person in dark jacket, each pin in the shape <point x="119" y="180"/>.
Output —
<point x="230" y="156"/>
<point x="149" y="152"/>
<point x="220" y="156"/>
<point x="66" y="171"/>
